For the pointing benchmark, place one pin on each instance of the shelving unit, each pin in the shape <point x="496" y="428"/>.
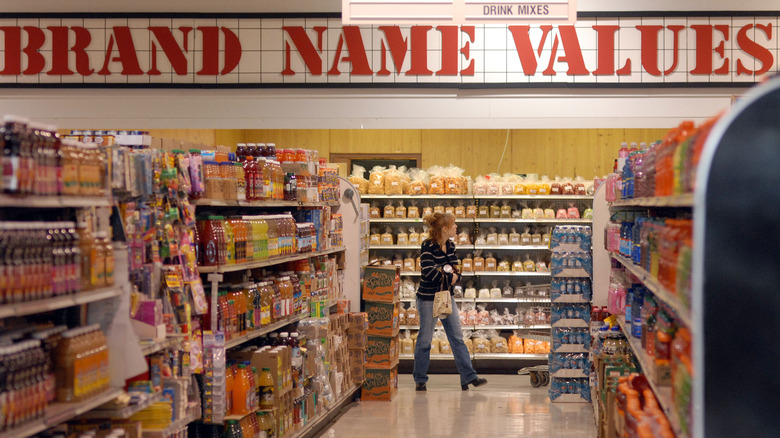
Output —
<point x="511" y="247"/>
<point x="685" y="200"/>
<point x="483" y="356"/>
<point x="32" y="201"/>
<point x="488" y="327"/>
<point x="326" y="417"/>
<point x="123" y="412"/>
<point x="58" y="413"/>
<point x="658" y="290"/>
<point x="511" y="274"/>
<point x="193" y="413"/>
<point x="265" y="330"/>
<point x="268" y="262"/>
<point x="151" y="347"/>
<point x="662" y="393"/>
<point x="61" y="302"/>
<point x="260" y="204"/>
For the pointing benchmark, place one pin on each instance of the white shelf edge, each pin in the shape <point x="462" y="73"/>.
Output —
<point x="61" y="302"/>
<point x="684" y="200"/>
<point x="34" y="201"/>
<point x="268" y="262"/>
<point x="192" y="415"/>
<point x="477" y="197"/>
<point x="261" y="204"/>
<point x="657" y="289"/>
<point x="148" y="348"/>
<point x="260" y="332"/>
<point x="512" y="247"/>
<point x="122" y="413"/>
<point x="483" y="356"/>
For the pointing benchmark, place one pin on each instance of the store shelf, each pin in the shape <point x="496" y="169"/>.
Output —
<point x="328" y="415"/>
<point x="487" y="327"/>
<point x="409" y="327"/>
<point x="685" y="200"/>
<point x="268" y="262"/>
<point x="510" y="356"/>
<point x="662" y="393"/>
<point x="61" y="302"/>
<point x="371" y="197"/>
<point x="433" y="357"/>
<point x="32" y="201"/>
<point x="193" y="413"/>
<point x="418" y="274"/>
<point x="537" y="197"/>
<point x="394" y="247"/>
<point x="510" y="274"/>
<point x="657" y="289"/>
<point x="512" y="247"/>
<point x="58" y="413"/>
<point x="512" y="300"/>
<point x="257" y="333"/>
<point x="124" y="412"/>
<point x="260" y="204"/>
<point x="153" y="346"/>
<point x="533" y="221"/>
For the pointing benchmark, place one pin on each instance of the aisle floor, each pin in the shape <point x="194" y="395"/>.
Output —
<point x="508" y="406"/>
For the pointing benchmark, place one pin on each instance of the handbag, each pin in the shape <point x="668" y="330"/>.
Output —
<point x="442" y="301"/>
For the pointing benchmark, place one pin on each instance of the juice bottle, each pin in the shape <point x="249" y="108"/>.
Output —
<point x="273" y="237"/>
<point x="229" y="241"/>
<point x="241" y="152"/>
<point x="250" y="170"/>
<point x="208" y="242"/>
<point x="65" y="358"/>
<point x="109" y="260"/>
<point x="268" y="188"/>
<point x="240" y="180"/>
<point x="266" y="383"/>
<point x="242" y="393"/>
<point x="277" y="301"/>
<point x="222" y="239"/>
<point x="88" y="256"/>
<point x="253" y="385"/>
<point x="266" y="304"/>
<point x="229" y="386"/>
<point x="262" y="240"/>
<point x="98" y="274"/>
<point x="250" y="239"/>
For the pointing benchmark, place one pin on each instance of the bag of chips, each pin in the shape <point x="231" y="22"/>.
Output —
<point x="358" y="179"/>
<point x="467" y="340"/>
<point x="394" y="181"/>
<point x="376" y="181"/>
<point x="444" y="343"/>
<point x="412" y="315"/>
<point x="438" y="182"/>
<point x="515" y="344"/>
<point x="418" y="184"/>
<point x="413" y="212"/>
<point x="481" y="343"/>
<point x="407" y="343"/>
<point x="387" y="237"/>
<point x="402" y="238"/>
<point x="497" y="343"/>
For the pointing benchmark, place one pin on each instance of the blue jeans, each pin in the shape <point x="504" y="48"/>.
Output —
<point x="422" y="351"/>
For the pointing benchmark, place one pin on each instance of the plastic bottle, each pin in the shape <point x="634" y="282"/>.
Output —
<point x="250" y="170"/>
<point x="242" y="392"/>
<point x="266" y="383"/>
<point x="88" y="255"/>
<point x="266" y="169"/>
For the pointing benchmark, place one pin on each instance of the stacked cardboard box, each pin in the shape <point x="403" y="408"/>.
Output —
<point x="357" y="341"/>
<point x="338" y="354"/>
<point x="381" y="294"/>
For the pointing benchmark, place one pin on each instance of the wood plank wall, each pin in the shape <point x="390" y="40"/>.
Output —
<point x="564" y="152"/>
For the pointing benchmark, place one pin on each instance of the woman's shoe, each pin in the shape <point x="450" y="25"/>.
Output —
<point x="476" y="382"/>
<point x="420" y="386"/>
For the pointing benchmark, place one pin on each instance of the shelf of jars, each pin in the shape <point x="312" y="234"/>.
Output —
<point x="662" y="393"/>
<point x="36" y="201"/>
<point x="685" y="200"/>
<point x="58" y="413"/>
<point x="60" y="302"/>
<point x="268" y="262"/>
<point x="657" y="289"/>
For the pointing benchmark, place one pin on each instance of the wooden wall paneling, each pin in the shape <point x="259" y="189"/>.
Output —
<point x="443" y="146"/>
<point x="198" y="136"/>
<point x="389" y="141"/>
<point x="229" y="137"/>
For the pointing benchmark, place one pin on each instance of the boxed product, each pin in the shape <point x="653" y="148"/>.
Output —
<point x="358" y="321"/>
<point x="357" y="373"/>
<point x="382" y="352"/>
<point x="380" y="284"/>
<point x="275" y="359"/>
<point x="357" y="356"/>
<point x="357" y="340"/>
<point x="380" y="384"/>
<point x="382" y="319"/>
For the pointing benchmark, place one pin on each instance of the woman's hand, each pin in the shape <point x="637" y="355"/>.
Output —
<point x="454" y="278"/>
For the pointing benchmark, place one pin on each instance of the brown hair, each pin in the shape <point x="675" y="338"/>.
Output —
<point x="437" y="222"/>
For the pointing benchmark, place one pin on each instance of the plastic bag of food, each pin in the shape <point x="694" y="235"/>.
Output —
<point x="529" y="265"/>
<point x="402" y="238"/>
<point x="398" y="262"/>
<point x="532" y="185"/>
<point x="549" y="213"/>
<point x="536" y="238"/>
<point x="449" y="209"/>
<point x="467" y="340"/>
<point x="460" y="211"/>
<point x="412" y="315"/>
<point x="374" y="212"/>
<point x="556" y="187"/>
<point x="525" y="238"/>
<point x="579" y="186"/>
<point x="543" y="347"/>
<point x="456" y="184"/>
<point x="471" y="211"/>
<point x="490" y="263"/>
<point x="509" y="317"/>
<point x="480" y="185"/>
<point x="492" y="237"/>
<point x="546" y="237"/>
<point x="541" y="266"/>
<point x="424" y="236"/>
<point x="538" y="213"/>
<point x="464" y="237"/>
<point x="389" y="211"/>
<point x="496" y="318"/>
<point x="497" y="343"/>
<point x="413" y="212"/>
<point x="481" y="239"/>
<point x="507" y="291"/>
<point x="573" y="212"/>
<point x="508" y="184"/>
<point x="481" y="343"/>
<point x="400" y="211"/>
<point x="414" y="237"/>
<point x="375" y="238"/>
<point x="567" y="187"/>
<point x="493" y="186"/>
<point x="444" y="343"/>
<point x="405" y="179"/>
<point x="402" y="316"/>
<point x="438" y="182"/>
<point x="495" y="291"/>
<point x="407" y="344"/>
<point x="483" y="317"/>
<point x="408" y="288"/>
<point x="418" y="265"/>
<point x="457" y="291"/>
<point x="435" y="345"/>
<point x="470" y="292"/>
<point x="517" y="265"/>
<point x="393" y="180"/>
<point x="544" y="185"/>
<point x="472" y="315"/>
<point x="588" y="213"/>
<point x="519" y="188"/>
<point x="467" y="264"/>
<point x="408" y="261"/>
<point x="387" y="237"/>
<point x="504" y="266"/>
<point x="514" y="237"/>
<point x="484" y="294"/>
<point x="527" y="213"/>
<point x="562" y="214"/>
<point x="376" y="181"/>
<point x="358" y="179"/>
<point x="503" y="238"/>
<point x="506" y="210"/>
<point x="438" y="208"/>
<point x="515" y="344"/>
<point x="418" y="184"/>
<point x="495" y="211"/>
<point x="479" y="263"/>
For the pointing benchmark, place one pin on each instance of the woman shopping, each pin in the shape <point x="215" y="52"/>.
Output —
<point x="439" y="267"/>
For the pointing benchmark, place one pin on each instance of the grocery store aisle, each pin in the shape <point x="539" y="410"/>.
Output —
<point x="507" y="406"/>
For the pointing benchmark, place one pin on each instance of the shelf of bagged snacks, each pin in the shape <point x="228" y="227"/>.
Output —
<point x="488" y="327"/>
<point x="370" y="197"/>
<point x="262" y="331"/>
<point x="685" y="200"/>
<point x="533" y="221"/>
<point x="418" y="274"/>
<point x="326" y="416"/>
<point x="122" y="412"/>
<point x="472" y="196"/>
<point x="60" y="302"/>
<point x="35" y="201"/>
<point x="412" y="220"/>
<point x="193" y="413"/>
<point x="512" y="247"/>
<point x="662" y="393"/>
<point x="268" y="262"/>
<point x="486" y="274"/>
<point x="270" y="203"/>
<point x="657" y="289"/>
<point x="489" y="300"/>
<point x="483" y="356"/>
<point x="151" y="346"/>
<point x="58" y="413"/>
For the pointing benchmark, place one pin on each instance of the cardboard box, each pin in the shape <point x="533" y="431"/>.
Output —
<point x="358" y="322"/>
<point x="357" y="340"/>
<point x="382" y="319"/>
<point x="382" y="352"/>
<point x="272" y="359"/>
<point x="357" y="373"/>
<point x="343" y="305"/>
<point x="380" y="384"/>
<point x="357" y="357"/>
<point x="380" y="285"/>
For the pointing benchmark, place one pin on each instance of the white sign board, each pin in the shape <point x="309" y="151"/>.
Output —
<point x="406" y="12"/>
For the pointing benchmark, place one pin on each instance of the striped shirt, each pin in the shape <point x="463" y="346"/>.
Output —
<point x="432" y="260"/>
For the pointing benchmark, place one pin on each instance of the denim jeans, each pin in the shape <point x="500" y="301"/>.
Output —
<point x="422" y="351"/>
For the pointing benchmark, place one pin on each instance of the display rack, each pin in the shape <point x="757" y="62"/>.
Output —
<point x="193" y="413"/>
<point x="32" y="201"/>
<point x="685" y="200"/>
<point x="260" y="204"/>
<point x="325" y="417"/>
<point x="61" y="302"/>
<point x="268" y="262"/>
<point x="657" y="289"/>
<point x="123" y="412"/>
<point x="662" y="393"/>
<point x="58" y="413"/>
<point x="262" y="331"/>
<point x="153" y="346"/>
<point x="483" y="356"/>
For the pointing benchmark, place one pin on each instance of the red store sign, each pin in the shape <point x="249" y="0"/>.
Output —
<point x="255" y="52"/>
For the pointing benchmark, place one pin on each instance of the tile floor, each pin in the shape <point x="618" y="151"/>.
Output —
<point x="508" y="406"/>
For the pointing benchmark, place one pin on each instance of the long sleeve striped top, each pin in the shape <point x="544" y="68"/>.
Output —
<point x="432" y="260"/>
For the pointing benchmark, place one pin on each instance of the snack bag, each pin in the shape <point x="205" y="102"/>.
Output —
<point x="538" y="213"/>
<point x="479" y="263"/>
<point x="496" y="318"/>
<point x="506" y="210"/>
<point x="398" y="262"/>
<point x="438" y="209"/>
<point x="427" y="210"/>
<point x="376" y="181"/>
<point x="400" y="211"/>
<point x="544" y="185"/>
<point x="495" y="291"/>
<point x="579" y="186"/>
<point x="517" y="265"/>
<point x="562" y="214"/>
<point x="389" y="211"/>
<point x="481" y="344"/>
<point x="507" y="291"/>
<point x="471" y="211"/>
<point x="435" y="345"/>
<point x="484" y="294"/>
<point x="460" y="211"/>
<point x="413" y="212"/>
<point x="525" y="238"/>
<point x="374" y="212"/>
<point x="514" y="237"/>
<point x="402" y="238"/>
<point x="495" y="211"/>
<point x="450" y="209"/>
<point x="483" y="212"/>
<point x="483" y="317"/>
<point x="528" y="265"/>
<point x="509" y="318"/>
<point x="567" y="187"/>
<point x="472" y="316"/>
<point x="375" y="238"/>
<point x="470" y="292"/>
<point x="412" y="315"/>
<point x="503" y="238"/>
<point x="508" y="186"/>
<point x="588" y="213"/>
<point x="527" y="213"/>
<point x="418" y="184"/>
<point x="555" y="187"/>
<point x="444" y="343"/>
<point x="519" y="188"/>
<point x="492" y="237"/>
<point x="387" y="237"/>
<point x="408" y="288"/>
<point x="541" y="266"/>
<point x="531" y="186"/>
<point x="464" y="238"/>
<point x="394" y="182"/>
<point x="573" y="212"/>
<point x="516" y="343"/>
<point x="408" y="261"/>
<point x="414" y="237"/>
<point x="358" y="180"/>
<point x="481" y="239"/>
<point x="536" y="239"/>
<point x="402" y="317"/>
<point x="504" y="266"/>
<point x="490" y="263"/>
<point x="467" y="264"/>
<point x="480" y="185"/>
<point x="438" y="182"/>
<point x="456" y="184"/>
<point x="424" y="236"/>
<point x="407" y="344"/>
<point x="497" y="343"/>
<point x="467" y="340"/>
<point x="549" y="213"/>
